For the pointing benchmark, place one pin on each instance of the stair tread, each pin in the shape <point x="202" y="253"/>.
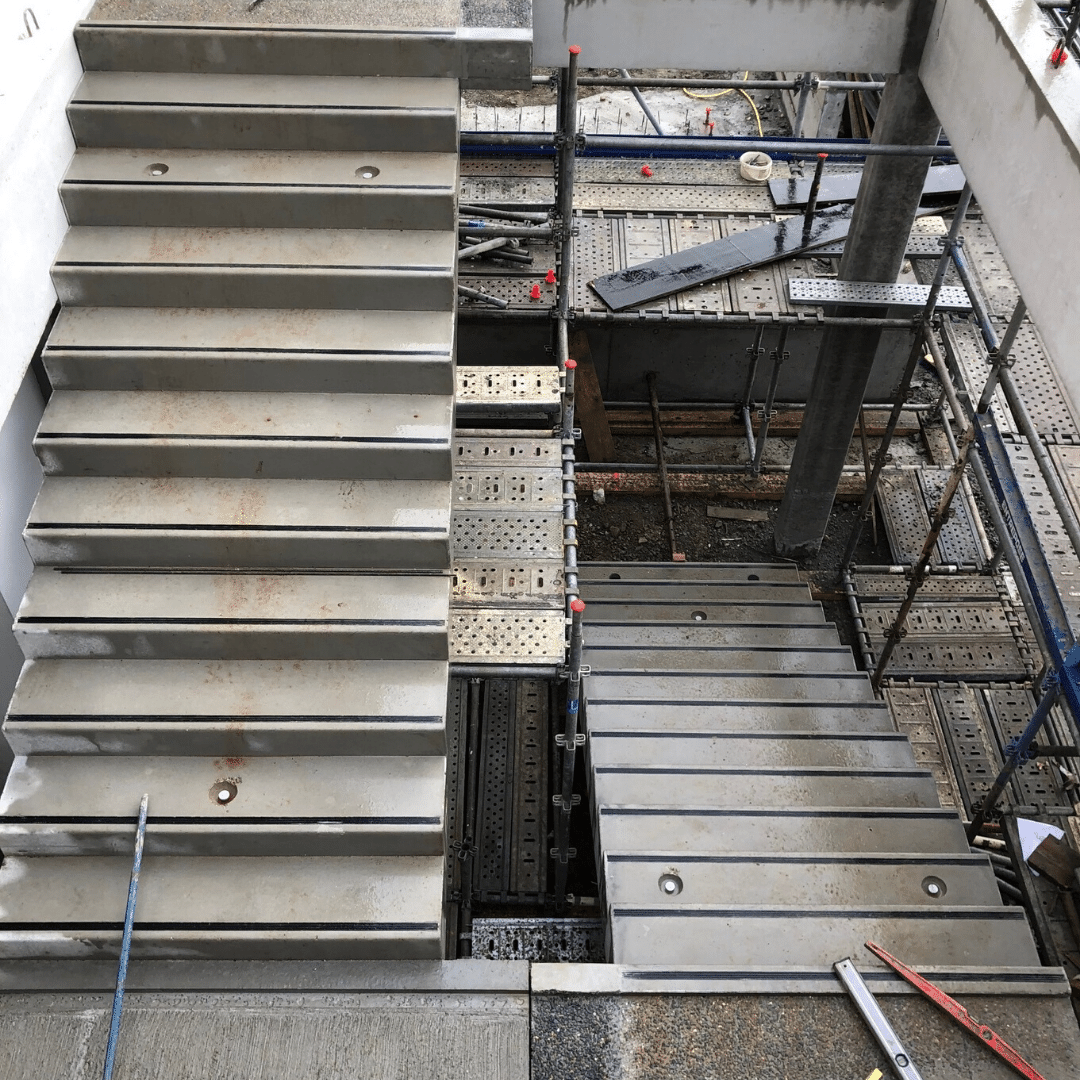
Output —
<point x="768" y="714"/>
<point x="680" y="572"/>
<point x="716" y="660"/>
<point x="180" y="414"/>
<point x="182" y="90"/>
<point x="643" y="613"/>
<point x="383" y="690"/>
<point x="696" y="687"/>
<point x="691" y="634"/>
<point x="787" y="786"/>
<point x="480" y="56"/>
<point x="245" y="330"/>
<point x="419" y="171"/>
<point x="381" y="790"/>
<point x="708" y="592"/>
<point x="377" y="250"/>
<point x="241" y="504"/>
<point x="681" y="829"/>
<point x="754" y="748"/>
<point x="809" y="880"/>
<point x="326" y="599"/>
<point x="789" y="936"/>
<point x="278" y="890"/>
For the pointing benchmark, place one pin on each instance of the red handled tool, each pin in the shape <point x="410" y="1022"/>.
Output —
<point x="986" y="1035"/>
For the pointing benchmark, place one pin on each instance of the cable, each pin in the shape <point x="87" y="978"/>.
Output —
<point x="721" y="93"/>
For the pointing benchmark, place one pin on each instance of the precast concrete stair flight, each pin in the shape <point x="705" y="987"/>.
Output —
<point x="242" y="594"/>
<point x="756" y="813"/>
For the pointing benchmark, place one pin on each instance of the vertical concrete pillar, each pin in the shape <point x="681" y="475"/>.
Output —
<point x="884" y="212"/>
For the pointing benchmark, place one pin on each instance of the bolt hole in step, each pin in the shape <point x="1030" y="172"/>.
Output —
<point x="752" y="577"/>
<point x="614" y="577"/>
<point x="698" y="616"/>
<point x="157" y="168"/>
<point x="222" y="792"/>
<point x="367" y="172"/>
<point x="934" y="887"/>
<point x="670" y="884"/>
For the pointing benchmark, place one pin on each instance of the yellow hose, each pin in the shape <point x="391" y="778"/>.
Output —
<point x="721" y="93"/>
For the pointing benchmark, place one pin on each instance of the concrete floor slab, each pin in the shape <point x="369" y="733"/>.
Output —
<point x="329" y="1036"/>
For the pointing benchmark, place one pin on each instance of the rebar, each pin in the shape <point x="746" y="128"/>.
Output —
<point x="661" y="465"/>
<point x="914" y="355"/>
<point x="778" y="356"/>
<point x="644" y="105"/>
<point x="1016" y="754"/>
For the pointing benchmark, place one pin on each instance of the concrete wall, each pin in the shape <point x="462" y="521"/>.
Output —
<point x="723" y="35"/>
<point x="37" y="76"/>
<point x="1015" y="123"/>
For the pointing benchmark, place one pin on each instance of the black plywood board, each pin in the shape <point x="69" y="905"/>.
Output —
<point x="843" y="187"/>
<point x="637" y="285"/>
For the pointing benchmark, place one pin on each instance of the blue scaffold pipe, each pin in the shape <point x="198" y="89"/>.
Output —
<point x="125" y="944"/>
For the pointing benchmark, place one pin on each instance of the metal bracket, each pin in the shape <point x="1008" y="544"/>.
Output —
<point x="579" y="740"/>
<point x="571" y="853"/>
<point x="557" y="800"/>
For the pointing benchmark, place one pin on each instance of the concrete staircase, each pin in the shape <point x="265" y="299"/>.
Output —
<point x="241" y="598"/>
<point x="756" y="811"/>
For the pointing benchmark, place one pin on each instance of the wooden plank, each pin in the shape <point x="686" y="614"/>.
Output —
<point x="1055" y="859"/>
<point x="722" y="485"/>
<point x="734" y="513"/>
<point x="721" y="423"/>
<point x="589" y="411"/>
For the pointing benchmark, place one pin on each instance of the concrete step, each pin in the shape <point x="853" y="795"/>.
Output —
<point x="265" y="435"/>
<point x="229" y="709"/>
<point x="709" y="593"/>
<point x="643" y="612"/>
<point x="792" y="936"/>
<point x="59" y="805"/>
<point x="387" y="269"/>
<point x="707" y="749"/>
<point x="788" y="786"/>
<point x="677" y="687"/>
<point x="481" y="57"/>
<point x="264" y="112"/>
<point x="775" y="715"/>
<point x="189" y="522"/>
<point x="689" y="828"/>
<point x="653" y="880"/>
<point x="249" y="349"/>
<point x="260" y="189"/>
<point x="687" y="572"/>
<point x="365" y="908"/>
<point x="610" y="658"/>
<point x="238" y="616"/>
<point x="698" y="634"/>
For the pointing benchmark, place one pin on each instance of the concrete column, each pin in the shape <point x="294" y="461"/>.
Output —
<point x="884" y="213"/>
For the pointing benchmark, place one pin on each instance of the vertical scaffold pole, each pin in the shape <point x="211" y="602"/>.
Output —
<point x="568" y="741"/>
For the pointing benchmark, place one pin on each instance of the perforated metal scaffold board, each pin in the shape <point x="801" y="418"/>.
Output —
<point x="874" y="294"/>
<point x="955" y="628"/>
<point x="907" y="498"/>
<point x="507" y="550"/>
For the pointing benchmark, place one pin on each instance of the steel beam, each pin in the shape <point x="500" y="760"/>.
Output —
<point x="716" y="35"/>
